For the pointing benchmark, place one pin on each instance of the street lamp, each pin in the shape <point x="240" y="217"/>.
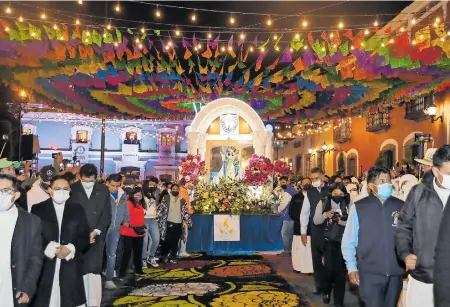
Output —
<point x="432" y="111"/>
<point x="277" y="145"/>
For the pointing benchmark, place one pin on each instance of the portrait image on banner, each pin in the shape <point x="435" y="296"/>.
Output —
<point x="229" y="124"/>
<point x="81" y="152"/>
<point x="227" y="227"/>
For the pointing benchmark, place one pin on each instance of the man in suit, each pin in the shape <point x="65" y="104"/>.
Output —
<point x="314" y="195"/>
<point x="21" y="248"/>
<point x="95" y="199"/>
<point x="65" y="234"/>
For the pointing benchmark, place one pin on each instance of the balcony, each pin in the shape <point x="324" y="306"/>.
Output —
<point x="343" y="132"/>
<point x="416" y="109"/>
<point x="377" y="121"/>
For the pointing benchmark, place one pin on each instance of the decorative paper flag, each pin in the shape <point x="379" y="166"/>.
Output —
<point x="232" y="67"/>
<point x="108" y="38"/>
<point x="259" y="60"/>
<point x="298" y="65"/>
<point x="246" y="76"/>
<point x="287" y="56"/>
<point x="96" y="38"/>
<point x="297" y="43"/>
<point x="344" y="48"/>
<point x="129" y="31"/>
<point x="273" y="65"/>
<point x="50" y="32"/>
<point x="318" y="48"/>
<point x="423" y="38"/>
<point x="119" y="36"/>
<point x="258" y="79"/>
<point x="310" y="39"/>
<point x="191" y="65"/>
<point x="215" y="43"/>
<point x="36" y="31"/>
<point x="157" y="32"/>
<point x="216" y="53"/>
<point x="194" y="40"/>
<point x="231" y="52"/>
<point x="255" y="41"/>
<point x="246" y="54"/>
<point x="388" y="30"/>
<point x="186" y="44"/>
<point x="336" y="39"/>
<point x="358" y="39"/>
<point x="265" y="44"/>
<point x="332" y="50"/>
<point x="230" y="41"/>
<point x="348" y="34"/>
<point x="324" y="35"/>
<point x="276" y="77"/>
<point x="277" y="41"/>
<point x="207" y="54"/>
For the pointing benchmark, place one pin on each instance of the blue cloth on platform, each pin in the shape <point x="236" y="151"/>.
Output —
<point x="259" y="233"/>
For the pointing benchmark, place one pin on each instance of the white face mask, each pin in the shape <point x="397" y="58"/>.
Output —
<point x="88" y="185"/>
<point x="445" y="180"/>
<point x="317" y="183"/>
<point x="5" y="202"/>
<point x="61" y="196"/>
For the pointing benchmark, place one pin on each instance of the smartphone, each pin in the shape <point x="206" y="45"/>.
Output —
<point x="54" y="155"/>
<point x="21" y="171"/>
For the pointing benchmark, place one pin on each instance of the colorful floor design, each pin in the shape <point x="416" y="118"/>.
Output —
<point x="207" y="281"/>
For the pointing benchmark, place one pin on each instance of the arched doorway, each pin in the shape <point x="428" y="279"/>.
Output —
<point x="411" y="149"/>
<point x="352" y="163"/>
<point x="388" y="154"/>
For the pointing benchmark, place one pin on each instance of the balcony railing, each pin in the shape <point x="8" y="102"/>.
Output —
<point x="377" y="121"/>
<point x="343" y="133"/>
<point x="415" y="110"/>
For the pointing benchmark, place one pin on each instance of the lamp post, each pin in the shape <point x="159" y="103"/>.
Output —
<point x="277" y="145"/>
<point x="23" y="100"/>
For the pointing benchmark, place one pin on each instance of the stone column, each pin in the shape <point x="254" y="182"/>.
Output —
<point x="192" y="142"/>
<point x="269" y="145"/>
<point x="202" y="145"/>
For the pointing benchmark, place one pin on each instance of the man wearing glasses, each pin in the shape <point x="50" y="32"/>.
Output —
<point x="21" y="254"/>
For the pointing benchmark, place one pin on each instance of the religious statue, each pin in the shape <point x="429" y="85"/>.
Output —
<point x="230" y="163"/>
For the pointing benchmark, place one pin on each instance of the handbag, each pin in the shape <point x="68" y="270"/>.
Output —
<point x="333" y="231"/>
<point x="139" y="230"/>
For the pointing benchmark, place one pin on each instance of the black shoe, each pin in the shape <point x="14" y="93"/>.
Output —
<point x="165" y="260"/>
<point x="326" y="298"/>
<point x="317" y="291"/>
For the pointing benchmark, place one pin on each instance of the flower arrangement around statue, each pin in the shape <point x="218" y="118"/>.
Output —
<point x="191" y="169"/>
<point x="281" y="168"/>
<point x="227" y="196"/>
<point x="259" y="171"/>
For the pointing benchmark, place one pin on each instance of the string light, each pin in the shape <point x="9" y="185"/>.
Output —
<point x="291" y="49"/>
<point x="242" y="36"/>
<point x="199" y="46"/>
<point x="140" y="46"/>
<point x="55" y="27"/>
<point x="334" y="46"/>
<point x="362" y="44"/>
<point x="269" y="22"/>
<point x="209" y="35"/>
<point x="323" y="48"/>
<point x="177" y="32"/>
<point x="117" y="8"/>
<point x="137" y="40"/>
<point x="232" y="20"/>
<point x="340" y="25"/>
<point x="142" y="30"/>
<point x="382" y="44"/>
<point x="414" y="42"/>
<point x="391" y="41"/>
<point x="448" y="33"/>
<point x="86" y="40"/>
<point x="77" y="22"/>
<point x="402" y="29"/>
<point x="116" y="44"/>
<point x="305" y="47"/>
<point x="421" y="36"/>
<point x="366" y="32"/>
<point x="277" y="48"/>
<point x="43" y="16"/>
<point x="304" y="23"/>
<point x="438" y="20"/>
<point x="8" y="10"/>
<point x="21" y="18"/>
<point x="375" y="24"/>
<point x="251" y="49"/>
<point x="230" y="48"/>
<point x="61" y="38"/>
<point x="104" y="35"/>
<point x="222" y="49"/>
<point x="262" y="49"/>
<point x="158" y="13"/>
<point x="33" y="34"/>
<point x="108" y="27"/>
<point x="352" y="47"/>
<point x="80" y="1"/>
<point x="195" y="48"/>
<point x="275" y="37"/>
<point x="413" y="21"/>
<point x="169" y="44"/>
<point x="442" y="39"/>
<point x="436" y="25"/>
<point x="193" y="17"/>
<point x="6" y="29"/>
<point x="331" y="35"/>
<point x="297" y="36"/>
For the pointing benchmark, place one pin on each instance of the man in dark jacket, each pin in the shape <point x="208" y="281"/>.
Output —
<point x="95" y="199"/>
<point x="417" y="231"/>
<point x="441" y="170"/>
<point x="21" y="248"/>
<point x="370" y="233"/>
<point x="61" y="282"/>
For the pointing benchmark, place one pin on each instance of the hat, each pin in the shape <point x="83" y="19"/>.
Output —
<point x="47" y="173"/>
<point x="428" y="159"/>
<point x="128" y="182"/>
<point x="5" y="163"/>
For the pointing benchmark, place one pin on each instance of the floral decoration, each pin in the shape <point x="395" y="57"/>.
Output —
<point x="191" y="169"/>
<point x="256" y="299"/>
<point x="176" y="289"/>
<point x="259" y="171"/>
<point x="281" y="168"/>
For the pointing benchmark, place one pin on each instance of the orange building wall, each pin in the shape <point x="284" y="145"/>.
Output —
<point x="368" y="143"/>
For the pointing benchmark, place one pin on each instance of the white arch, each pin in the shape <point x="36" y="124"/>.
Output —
<point x="197" y="135"/>
<point x="411" y="137"/>
<point x="391" y="142"/>
<point x="223" y="106"/>
<point x="355" y="152"/>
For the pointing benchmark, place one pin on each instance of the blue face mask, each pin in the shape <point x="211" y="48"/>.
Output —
<point x="385" y="190"/>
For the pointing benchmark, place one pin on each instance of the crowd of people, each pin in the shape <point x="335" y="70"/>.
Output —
<point x="58" y="227"/>
<point x="62" y="230"/>
<point x="383" y="230"/>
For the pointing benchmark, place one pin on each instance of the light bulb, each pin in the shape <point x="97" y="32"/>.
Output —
<point x="61" y="37"/>
<point x="193" y="17"/>
<point x="8" y="10"/>
<point x="142" y="30"/>
<point x="435" y="25"/>
<point x="104" y="35"/>
<point x="242" y="35"/>
<point x="413" y="21"/>
<point x="442" y="39"/>
<point x="305" y="47"/>
<point x="262" y="49"/>
<point x="438" y="20"/>
<point x="222" y="49"/>
<point x="6" y="29"/>
<point x="251" y="49"/>
<point x="86" y="40"/>
<point x="137" y="40"/>
<point x="304" y="23"/>
<point x="140" y="46"/>
<point x="169" y="44"/>
<point x="414" y="42"/>
<point x="232" y="20"/>
<point x="402" y="29"/>
<point x="88" y="33"/>
<point x="323" y="48"/>
<point x="33" y="33"/>
<point x="382" y="44"/>
<point x="116" y="44"/>
<point x="195" y="48"/>
<point x="297" y="36"/>
<point x="108" y="27"/>
<point x="269" y="22"/>
<point x="352" y="47"/>
<point x="391" y="41"/>
<point x="277" y="48"/>
<point x="421" y="36"/>
<point x="341" y="25"/>
<point x="55" y="27"/>
<point x="209" y="35"/>
<point x="275" y="37"/>
<point x="230" y="48"/>
<point x="43" y="16"/>
<point x="291" y="49"/>
<point x="448" y="33"/>
<point x="334" y="46"/>
<point x="158" y="13"/>
<point x="331" y="35"/>
<point x="366" y="32"/>
<point x="117" y="8"/>
<point x="362" y="44"/>
<point x="199" y="46"/>
<point x="21" y="18"/>
<point x="177" y="33"/>
<point x="77" y="21"/>
<point x="375" y="24"/>
<point x="80" y="1"/>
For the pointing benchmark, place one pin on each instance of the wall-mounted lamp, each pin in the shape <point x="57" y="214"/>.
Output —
<point x="326" y="148"/>
<point x="432" y="110"/>
<point x="310" y="151"/>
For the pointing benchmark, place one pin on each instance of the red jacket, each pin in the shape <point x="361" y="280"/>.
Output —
<point x="136" y="219"/>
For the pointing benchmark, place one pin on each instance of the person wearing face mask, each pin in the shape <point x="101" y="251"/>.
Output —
<point x="151" y="194"/>
<point x="133" y="235"/>
<point x="21" y="253"/>
<point x="61" y="282"/>
<point x="39" y="191"/>
<point x="287" y="229"/>
<point x="333" y="211"/>
<point x="119" y="216"/>
<point x="417" y="231"/>
<point x="95" y="200"/>
<point x="184" y="193"/>
<point x="172" y="212"/>
<point x="370" y="230"/>
<point x="314" y="195"/>
<point x="301" y="255"/>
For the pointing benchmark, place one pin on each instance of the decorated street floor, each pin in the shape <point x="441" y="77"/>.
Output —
<point x="206" y="281"/>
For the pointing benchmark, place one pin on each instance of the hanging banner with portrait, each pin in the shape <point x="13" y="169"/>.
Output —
<point x="227" y="227"/>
